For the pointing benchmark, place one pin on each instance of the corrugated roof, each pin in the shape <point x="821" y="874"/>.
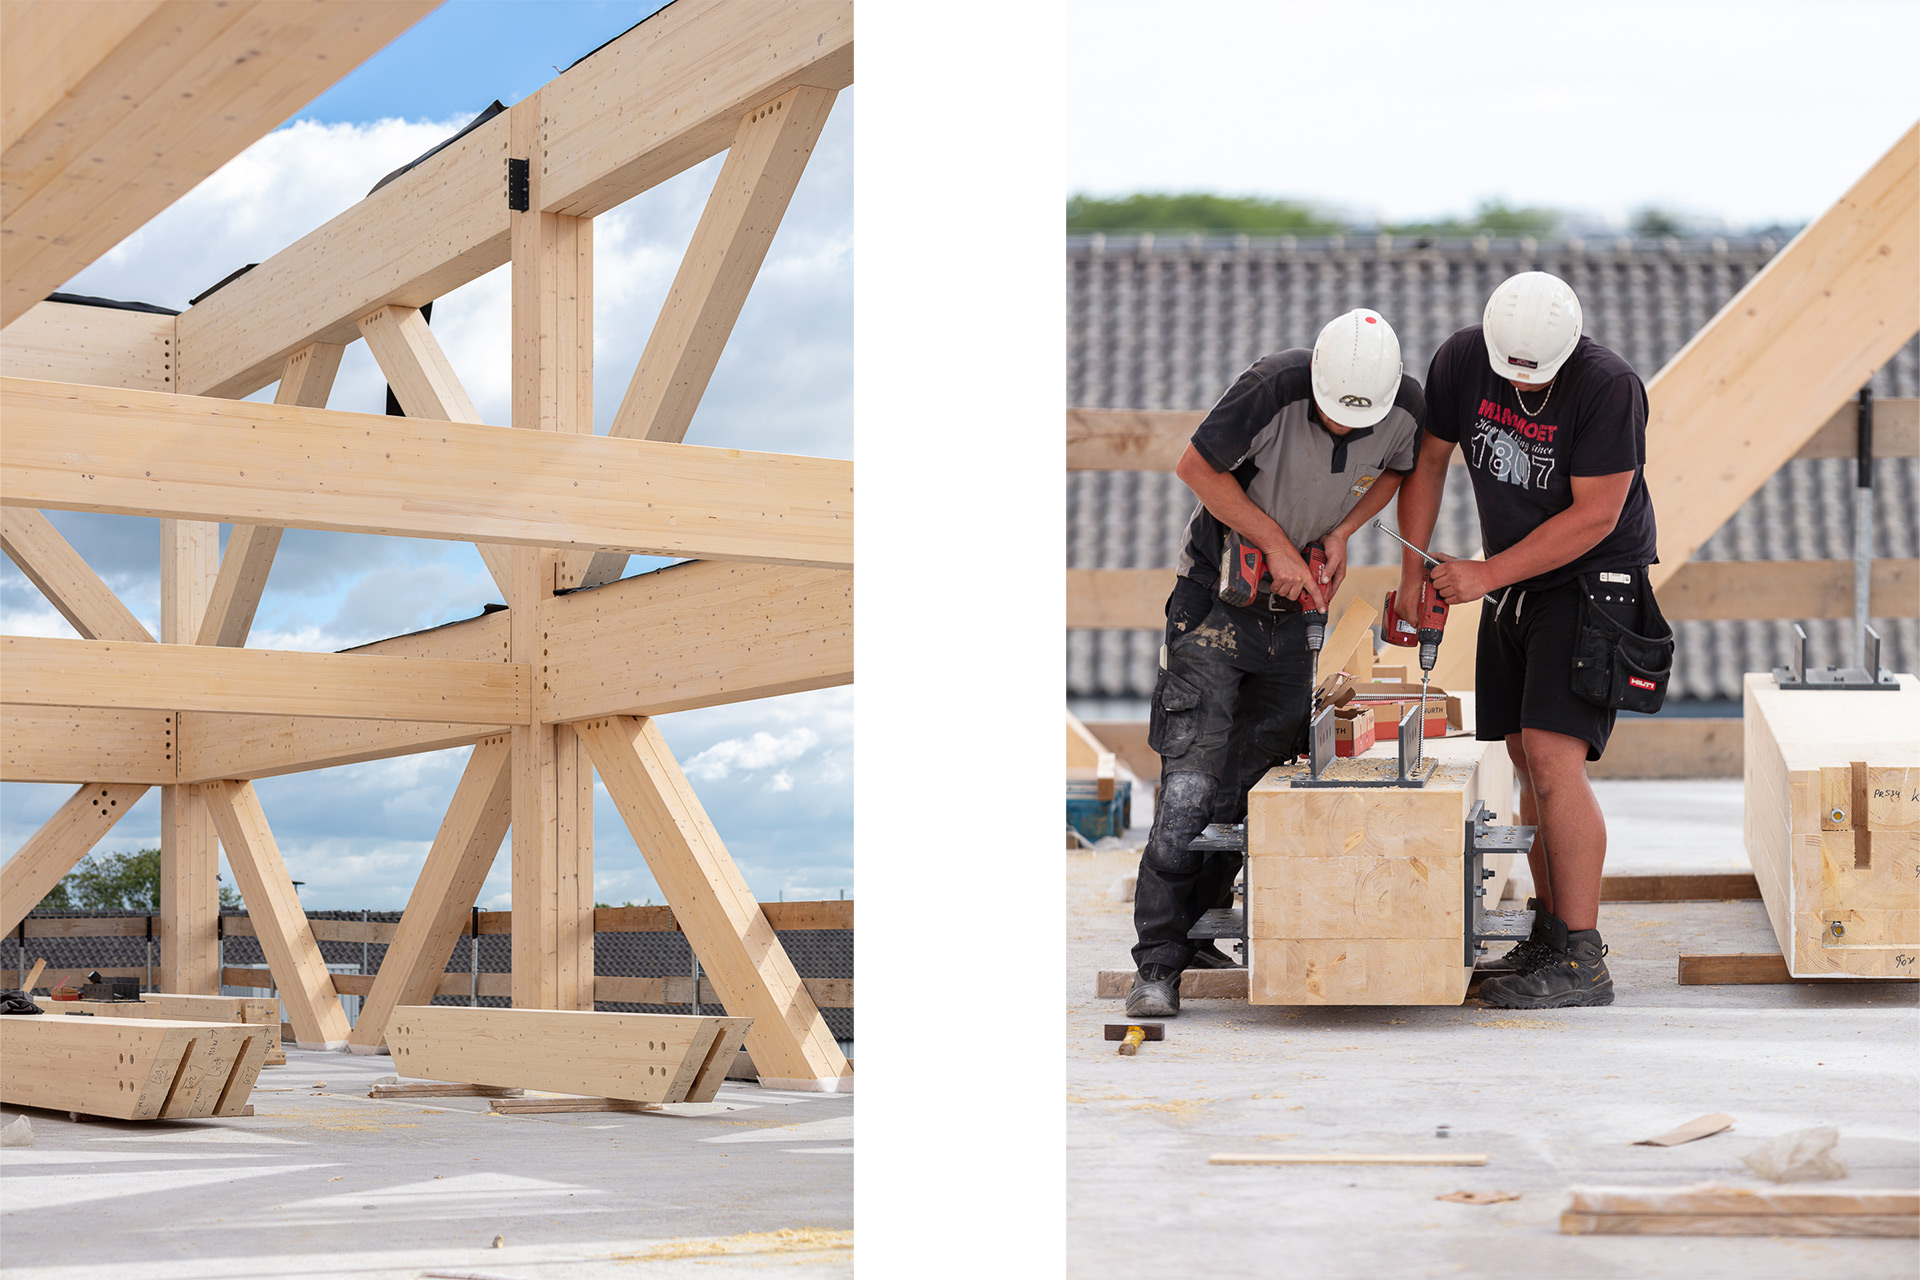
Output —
<point x="1159" y="324"/>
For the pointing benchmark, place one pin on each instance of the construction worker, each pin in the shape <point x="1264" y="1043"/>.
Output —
<point x="1553" y="428"/>
<point x="1304" y="447"/>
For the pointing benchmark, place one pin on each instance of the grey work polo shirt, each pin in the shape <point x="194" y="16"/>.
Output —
<point x="1302" y="475"/>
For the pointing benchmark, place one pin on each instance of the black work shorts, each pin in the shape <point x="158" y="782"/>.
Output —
<point x="1523" y="673"/>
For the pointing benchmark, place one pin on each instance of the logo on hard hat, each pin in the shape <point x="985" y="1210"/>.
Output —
<point x="1524" y="364"/>
<point x="1356" y="402"/>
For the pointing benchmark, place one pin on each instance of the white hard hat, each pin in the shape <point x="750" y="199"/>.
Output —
<point x="1532" y="323"/>
<point x="1356" y="369"/>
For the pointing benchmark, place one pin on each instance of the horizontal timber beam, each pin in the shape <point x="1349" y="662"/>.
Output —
<point x="100" y="346"/>
<point x="35" y="671"/>
<point x="153" y="454"/>
<point x="87" y="744"/>
<point x="650" y="104"/>
<point x="114" y="111"/>
<point x="1702" y="590"/>
<point x="262" y="746"/>
<point x="694" y="635"/>
<point x="1153" y="439"/>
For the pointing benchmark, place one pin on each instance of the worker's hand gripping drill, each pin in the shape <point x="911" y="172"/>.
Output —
<point x="1246" y="574"/>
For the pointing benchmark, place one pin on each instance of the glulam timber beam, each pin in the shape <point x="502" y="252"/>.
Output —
<point x="114" y="111"/>
<point x="730" y="242"/>
<point x="1153" y="439"/>
<point x="695" y="635"/>
<point x="67" y="581"/>
<point x="306" y="380"/>
<point x="286" y="938"/>
<point x="262" y="746"/>
<point x="100" y="346"/>
<point x="62" y="840"/>
<point x="724" y="925"/>
<point x="442" y="901"/>
<point x="1753" y="386"/>
<point x="651" y="104"/>
<point x="37" y="671"/>
<point x="87" y="744"/>
<point x="687" y="636"/>
<point x="148" y="453"/>
<point x="1700" y="591"/>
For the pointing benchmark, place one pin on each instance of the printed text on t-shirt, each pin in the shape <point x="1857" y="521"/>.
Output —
<point x="1513" y="458"/>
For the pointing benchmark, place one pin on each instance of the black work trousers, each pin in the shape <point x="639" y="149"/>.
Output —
<point x="1231" y="701"/>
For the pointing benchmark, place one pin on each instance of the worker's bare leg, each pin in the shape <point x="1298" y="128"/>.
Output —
<point x="1556" y="797"/>
<point x="1537" y="861"/>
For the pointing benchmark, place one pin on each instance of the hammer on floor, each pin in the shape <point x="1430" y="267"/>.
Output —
<point x="1130" y="1034"/>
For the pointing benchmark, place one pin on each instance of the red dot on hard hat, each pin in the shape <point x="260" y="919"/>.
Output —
<point x="1370" y="320"/>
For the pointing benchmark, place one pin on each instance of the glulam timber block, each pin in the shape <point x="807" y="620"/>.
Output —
<point x="130" y="1068"/>
<point x="636" y="1057"/>
<point x="1355" y="894"/>
<point x="156" y="1006"/>
<point x="1832" y="825"/>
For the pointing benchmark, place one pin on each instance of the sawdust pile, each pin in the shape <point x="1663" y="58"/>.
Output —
<point x="785" y="1240"/>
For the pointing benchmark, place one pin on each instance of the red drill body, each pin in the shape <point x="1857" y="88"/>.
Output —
<point x="1430" y="622"/>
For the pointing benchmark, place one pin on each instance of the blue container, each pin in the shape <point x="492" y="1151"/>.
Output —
<point x="1095" y="818"/>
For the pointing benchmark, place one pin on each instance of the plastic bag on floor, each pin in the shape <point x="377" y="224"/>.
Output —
<point x="1805" y="1156"/>
<point x="17" y="1134"/>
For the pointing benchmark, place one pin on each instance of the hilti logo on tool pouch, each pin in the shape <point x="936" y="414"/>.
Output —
<point x="1638" y="683"/>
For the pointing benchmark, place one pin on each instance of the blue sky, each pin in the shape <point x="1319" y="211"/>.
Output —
<point x="775" y="774"/>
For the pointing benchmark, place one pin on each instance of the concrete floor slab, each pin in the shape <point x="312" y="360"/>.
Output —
<point x="1553" y="1099"/>
<point x="325" y="1181"/>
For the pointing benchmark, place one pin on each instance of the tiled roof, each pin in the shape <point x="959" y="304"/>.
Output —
<point x="1168" y="324"/>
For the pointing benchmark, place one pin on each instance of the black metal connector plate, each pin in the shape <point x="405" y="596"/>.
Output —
<point x="519" y="185"/>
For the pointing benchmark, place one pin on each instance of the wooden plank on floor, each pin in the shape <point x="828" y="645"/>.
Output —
<point x="1750" y="970"/>
<point x="1195" y="984"/>
<point x="1679" y="888"/>
<point x="1708" y="1209"/>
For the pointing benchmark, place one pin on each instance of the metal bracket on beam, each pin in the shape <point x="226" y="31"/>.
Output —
<point x="519" y="185"/>
<point x="1870" y="677"/>
<point x="1479" y="925"/>
<point x="1411" y="769"/>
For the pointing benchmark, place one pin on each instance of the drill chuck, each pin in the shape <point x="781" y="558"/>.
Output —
<point x="1429" y="652"/>
<point x="1316" y="635"/>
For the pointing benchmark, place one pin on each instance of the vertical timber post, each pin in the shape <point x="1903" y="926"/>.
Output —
<point x="552" y="781"/>
<point x="189" y="846"/>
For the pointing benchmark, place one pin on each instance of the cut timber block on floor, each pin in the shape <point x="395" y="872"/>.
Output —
<point x="1832" y="825"/>
<point x="130" y="1068"/>
<point x="634" y="1057"/>
<point x="1355" y="895"/>
<point x="254" y="1011"/>
<point x="1708" y="1210"/>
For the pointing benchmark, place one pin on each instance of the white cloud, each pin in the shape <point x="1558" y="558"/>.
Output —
<point x="761" y="751"/>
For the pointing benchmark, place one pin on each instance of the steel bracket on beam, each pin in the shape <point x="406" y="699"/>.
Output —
<point x="1479" y="925"/>
<point x="1870" y="677"/>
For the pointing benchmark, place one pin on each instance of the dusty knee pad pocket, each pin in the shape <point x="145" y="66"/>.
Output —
<point x="1175" y="717"/>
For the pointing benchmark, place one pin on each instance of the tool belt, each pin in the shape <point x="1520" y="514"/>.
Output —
<point x="1614" y="667"/>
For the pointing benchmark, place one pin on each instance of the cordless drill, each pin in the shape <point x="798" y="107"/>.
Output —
<point x="1244" y="575"/>
<point x="1430" y="620"/>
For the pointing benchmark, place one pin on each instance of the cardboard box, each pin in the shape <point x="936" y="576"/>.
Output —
<point x="1391" y="699"/>
<point x="1353" y="730"/>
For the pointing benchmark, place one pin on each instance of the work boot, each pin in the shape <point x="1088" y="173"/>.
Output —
<point x="1208" y="955"/>
<point x="1155" y="994"/>
<point x="1528" y="953"/>
<point x="1574" y="973"/>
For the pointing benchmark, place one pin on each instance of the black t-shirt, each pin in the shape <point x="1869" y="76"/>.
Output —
<point x="1594" y="423"/>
